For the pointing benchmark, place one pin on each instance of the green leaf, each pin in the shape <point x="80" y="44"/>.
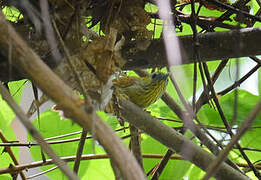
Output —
<point x="250" y="140"/>
<point x="6" y="114"/>
<point x="246" y="101"/>
<point x="12" y="13"/>
<point x="150" y="145"/>
<point x="160" y="109"/>
<point x="195" y="173"/>
<point x="6" y="177"/>
<point x="99" y="169"/>
<point x="51" y="125"/>
<point x="6" y="117"/>
<point x="16" y="89"/>
<point x="185" y="73"/>
<point x="10" y="136"/>
<point x="4" y="156"/>
<point x="110" y="119"/>
<point x="176" y="169"/>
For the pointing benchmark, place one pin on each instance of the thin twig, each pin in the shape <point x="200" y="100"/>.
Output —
<point x="162" y="164"/>
<point x="49" y="31"/>
<point x="195" y="52"/>
<point x="240" y="81"/>
<point x="203" y="97"/>
<point x="30" y="144"/>
<point x="242" y="129"/>
<point x="235" y="109"/>
<point x="225" y="122"/>
<point x="42" y="173"/>
<point x="72" y="65"/>
<point x="80" y="150"/>
<point x="234" y="9"/>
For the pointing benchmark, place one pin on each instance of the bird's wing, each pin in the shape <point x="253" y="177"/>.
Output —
<point x="124" y="81"/>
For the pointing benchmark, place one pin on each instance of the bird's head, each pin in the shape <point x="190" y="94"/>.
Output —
<point x="155" y="79"/>
<point x="159" y="77"/>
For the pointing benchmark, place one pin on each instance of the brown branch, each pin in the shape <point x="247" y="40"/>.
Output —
<point x="85" y="94"/>
<point x="11" y="154"/>
<point x="174" y="140"/>
<point x="238" y="4"/>
<point x="212" y="46"/>
<point x="197" y="131"/>
<point x="49" y="162"/>
<point x="30" y="144"/>
<point x="135" y="144"/>
<point x="56" y="89"/>
<point x="162" y="164"/>
<point x="28" y="166"/>
<point x="80" y="150"/>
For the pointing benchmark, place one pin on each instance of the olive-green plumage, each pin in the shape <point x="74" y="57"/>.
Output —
<point x="143" y="91"/>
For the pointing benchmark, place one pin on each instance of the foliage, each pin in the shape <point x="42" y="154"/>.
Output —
<point x="50" y="123"/>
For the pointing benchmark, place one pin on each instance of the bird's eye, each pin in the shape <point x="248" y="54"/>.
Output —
<point x="154" y="76"/>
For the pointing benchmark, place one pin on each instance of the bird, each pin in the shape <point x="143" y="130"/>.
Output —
<point x="142" y="91"/>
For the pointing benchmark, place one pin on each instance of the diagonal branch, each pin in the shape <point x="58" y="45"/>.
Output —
<point x="175" y="141"/>
<point x="56" y="89"/>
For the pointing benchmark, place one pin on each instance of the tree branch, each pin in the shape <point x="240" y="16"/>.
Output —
<point x="173" y="140"/>
<point x="212" y="46"/>
<point x="29" y="166"/>
<point x="56" y="89"/>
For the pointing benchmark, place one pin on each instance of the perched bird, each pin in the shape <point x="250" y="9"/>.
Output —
<point x="142" y="91"/>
